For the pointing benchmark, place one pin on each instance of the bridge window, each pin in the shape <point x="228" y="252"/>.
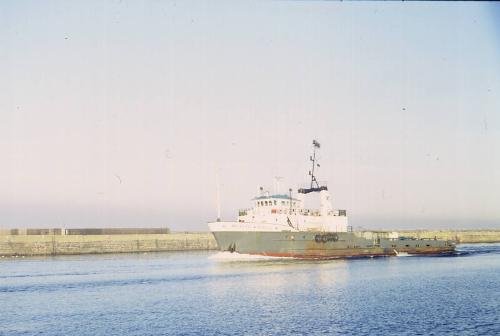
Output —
<point x="282" y="202"/>
<point x="274" y="202"/>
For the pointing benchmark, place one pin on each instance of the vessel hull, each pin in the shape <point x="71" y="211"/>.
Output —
<point x="322" y="245"/>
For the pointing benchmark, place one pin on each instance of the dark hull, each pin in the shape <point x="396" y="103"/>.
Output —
<point x="321" y="245"/>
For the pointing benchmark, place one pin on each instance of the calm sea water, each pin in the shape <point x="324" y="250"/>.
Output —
<point x="210" y="293"/>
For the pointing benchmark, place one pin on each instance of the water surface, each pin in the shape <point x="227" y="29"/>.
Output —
<point x="206" y="293"/>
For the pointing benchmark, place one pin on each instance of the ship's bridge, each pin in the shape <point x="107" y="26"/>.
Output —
<point x="278" y="200"/>
<point x="273" y="204"/>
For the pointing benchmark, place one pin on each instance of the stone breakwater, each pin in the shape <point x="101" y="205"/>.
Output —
<point x="460" y="236"/>
<point x="54" y="243"/>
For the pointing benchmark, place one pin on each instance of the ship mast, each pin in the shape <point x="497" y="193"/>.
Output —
<point x="313" y="159"/>
<point x="314" y="185"/>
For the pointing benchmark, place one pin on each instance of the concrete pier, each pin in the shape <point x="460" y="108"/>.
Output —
<point x="19" y="242"/>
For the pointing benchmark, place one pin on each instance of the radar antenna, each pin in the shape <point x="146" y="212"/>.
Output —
<point x="314" y="186"/>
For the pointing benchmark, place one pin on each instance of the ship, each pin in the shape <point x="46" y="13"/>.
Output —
<point x="279" y="225"/>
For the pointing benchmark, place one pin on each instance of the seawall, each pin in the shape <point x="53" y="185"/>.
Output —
<point x="460" y="236"/>
<point x="53" y="244"/>
<point x="22" y="244"/>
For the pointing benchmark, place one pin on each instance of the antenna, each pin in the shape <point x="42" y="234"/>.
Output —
<point x="218" y="194"/>
<point x="277" y="180"/>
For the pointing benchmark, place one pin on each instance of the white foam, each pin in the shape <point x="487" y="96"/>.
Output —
<point x="402" y="254"/>
<point x="228" y="256"/>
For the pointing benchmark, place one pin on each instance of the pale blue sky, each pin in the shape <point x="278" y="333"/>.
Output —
<point x="118" y="113"/>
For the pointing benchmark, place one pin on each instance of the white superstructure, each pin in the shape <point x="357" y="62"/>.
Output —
<point x="283" y="212"/>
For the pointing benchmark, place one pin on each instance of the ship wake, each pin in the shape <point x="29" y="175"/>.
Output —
<point x="474" y="249"/>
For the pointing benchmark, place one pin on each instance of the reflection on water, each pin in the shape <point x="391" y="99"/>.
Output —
<point x="277" y="274"/>
<point x="210" y="293"/>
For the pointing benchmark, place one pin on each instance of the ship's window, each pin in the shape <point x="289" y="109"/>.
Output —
<point x="266" y="202"/>
<point x="282" y="202"/>
<point x="427" y="245"/>
<point x="407" y="245"/>
<point x="274" y="202"/>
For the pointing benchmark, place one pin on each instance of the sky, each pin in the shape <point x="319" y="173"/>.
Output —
<point x="121" y="113"/>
